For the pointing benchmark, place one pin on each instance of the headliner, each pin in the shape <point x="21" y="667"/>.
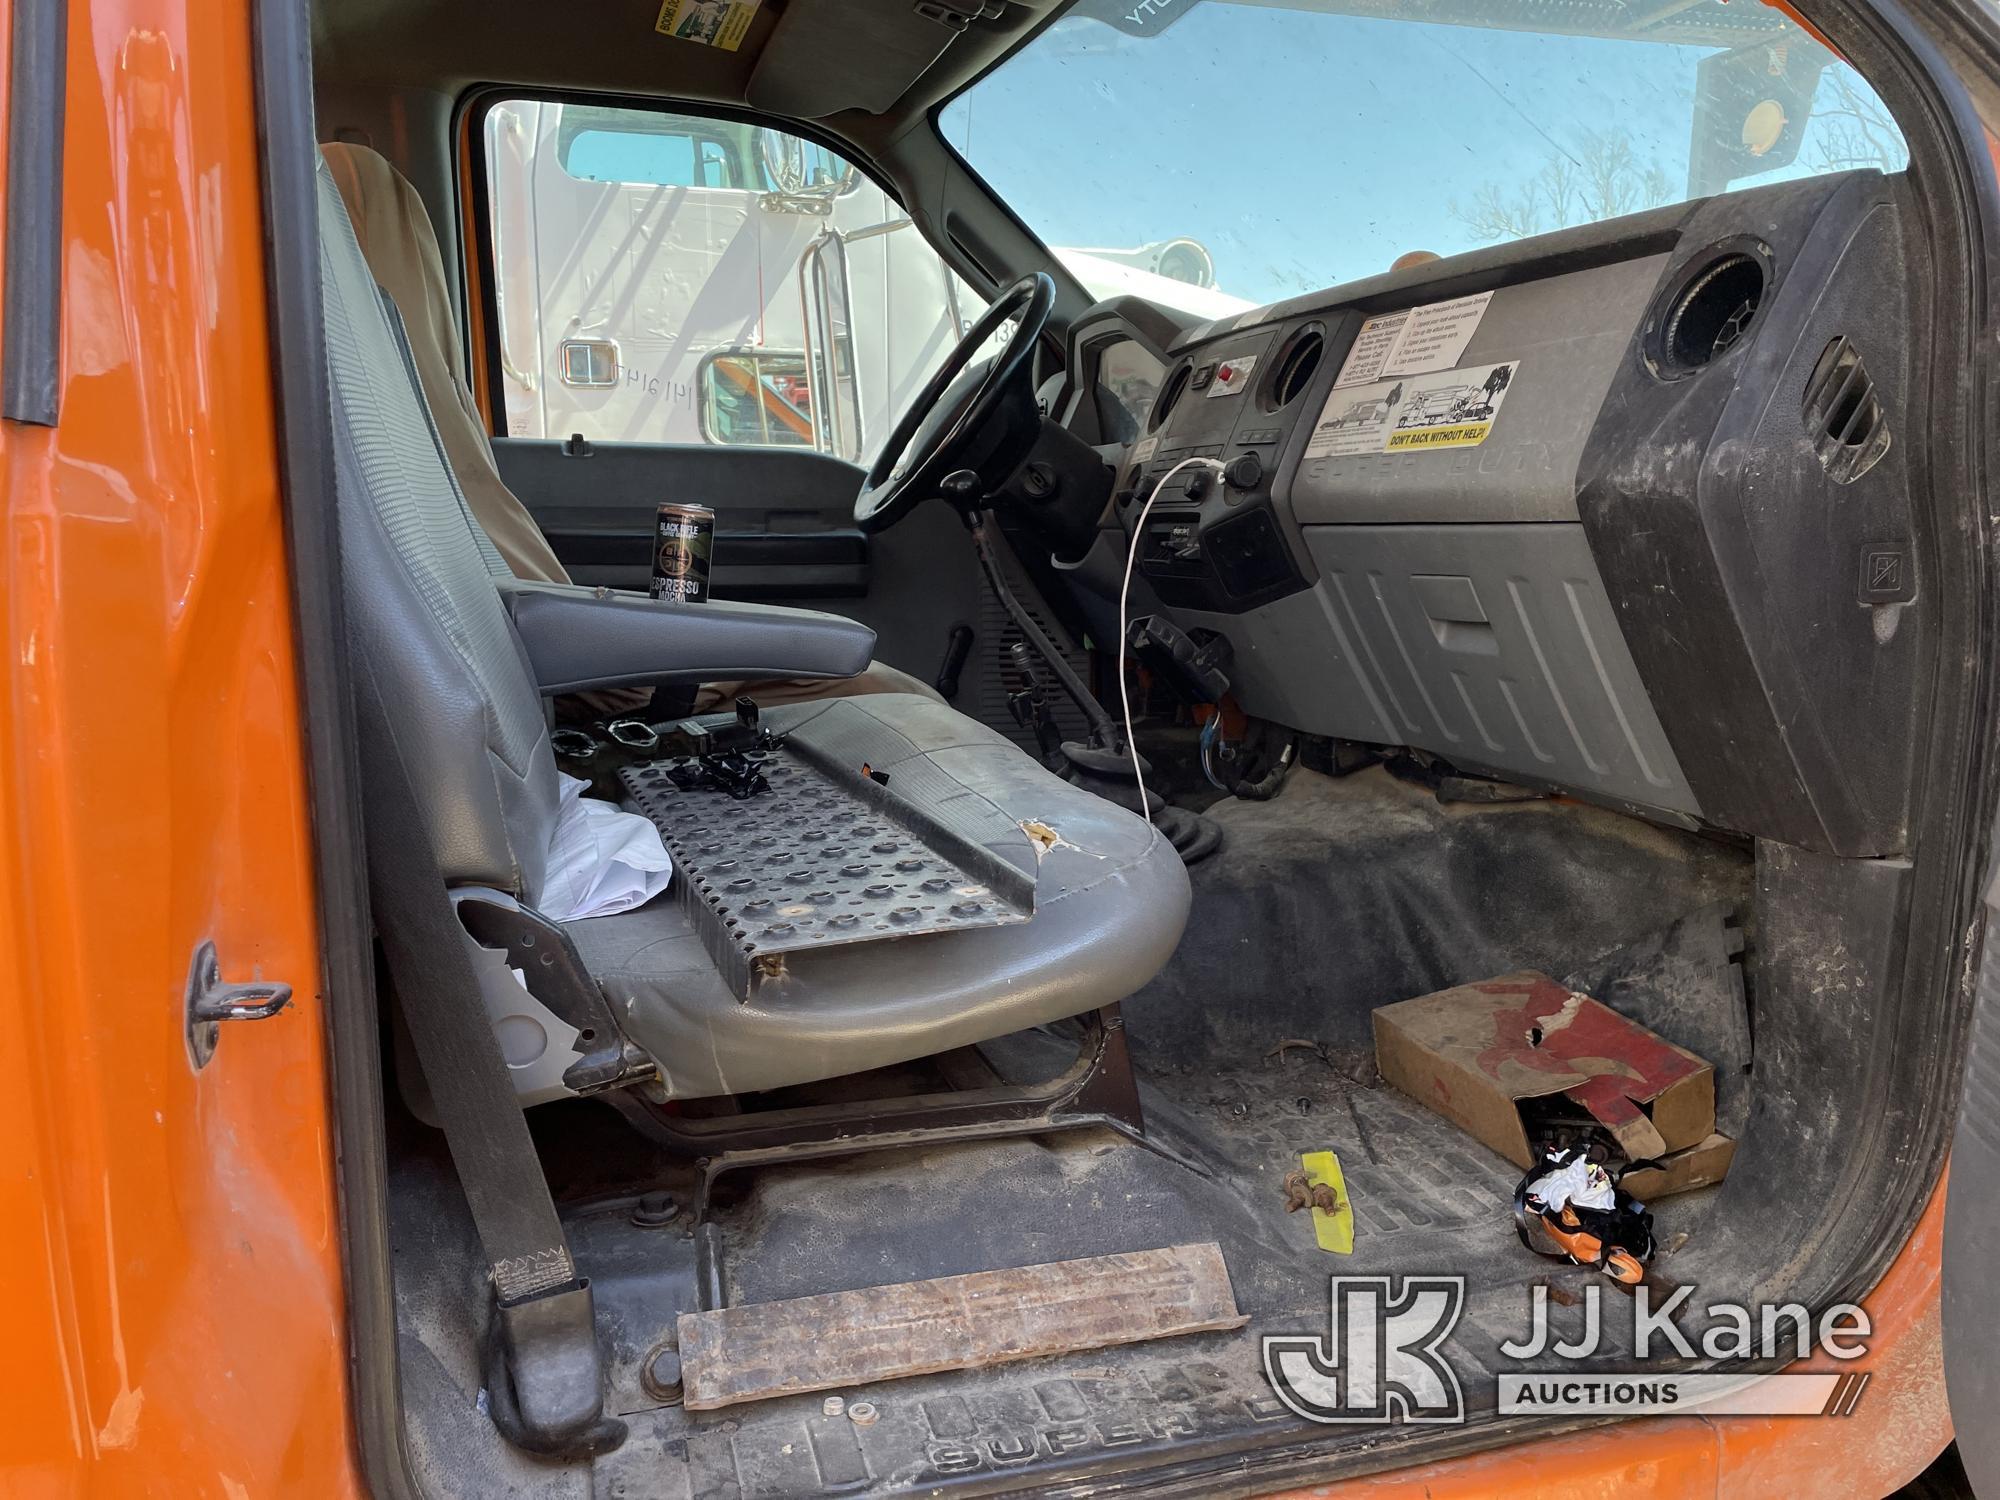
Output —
<point x="873" y="66"/>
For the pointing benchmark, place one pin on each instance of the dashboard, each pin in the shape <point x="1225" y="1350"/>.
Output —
<point x="1623" y="512"/>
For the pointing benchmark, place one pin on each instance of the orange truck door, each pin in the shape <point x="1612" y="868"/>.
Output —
<point x="172" y="1270"/>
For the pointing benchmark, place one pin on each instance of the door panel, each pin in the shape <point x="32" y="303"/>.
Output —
<point x="784" y="535"/>
<point x="785" y="520"/>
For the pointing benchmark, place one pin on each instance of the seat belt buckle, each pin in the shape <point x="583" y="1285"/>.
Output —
<point x="549" y="1396"/>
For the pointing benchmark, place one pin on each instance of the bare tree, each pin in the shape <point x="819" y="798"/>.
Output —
<point x="1854" y="129"/>
<point x="1606" y="175"/>
<point x="1545" y="201"/>
<point x="1603" y="178"/>
<point x="1613" y="180"/>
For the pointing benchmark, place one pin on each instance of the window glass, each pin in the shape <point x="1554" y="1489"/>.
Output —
<point x="757" y="396"/>
<point x="620" y="156"/>
<point x="601" y="144"/>
<point x="1218" y="156"/>
<point x="670" y="278"/>
<point x="789" y="164"/>
<point x="1128" y="378"/>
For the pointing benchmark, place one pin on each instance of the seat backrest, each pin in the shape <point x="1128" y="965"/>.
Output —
<point x="401" y="249"/>
<point x="420" y="597"/>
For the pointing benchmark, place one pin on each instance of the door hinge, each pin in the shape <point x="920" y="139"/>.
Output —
<point x="210" y="1002"/>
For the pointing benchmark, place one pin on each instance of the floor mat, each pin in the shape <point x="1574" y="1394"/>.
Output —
<point x="1427" y="1200"/>
<point x="1342" y="894"/>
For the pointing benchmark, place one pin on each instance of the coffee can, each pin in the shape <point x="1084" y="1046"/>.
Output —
<point x="683" y="547"/>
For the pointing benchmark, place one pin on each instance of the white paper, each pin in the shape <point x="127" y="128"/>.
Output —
<point x="602" y="859"/>
<point x="1370" y="350"/>
<point x="1580" y="1181"/>
<point x="1436" y="335"/>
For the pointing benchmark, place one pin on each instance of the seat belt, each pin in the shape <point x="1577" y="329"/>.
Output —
<point x="542" y="1365"/>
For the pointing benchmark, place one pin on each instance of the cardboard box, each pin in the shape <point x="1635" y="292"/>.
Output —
<point x="1474" y="1053"/>
<point x="1683" y="1171"/>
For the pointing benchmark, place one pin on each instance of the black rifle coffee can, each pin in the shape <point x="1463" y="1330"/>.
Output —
<point x="683" y="547"/>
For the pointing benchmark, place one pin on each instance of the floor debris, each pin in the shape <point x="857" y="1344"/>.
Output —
<point x="1559" y="1294"/>
<point x="1569" y="1208"/>
<point x="1297" y="1044"/>
<point x="1320" y="1183"/>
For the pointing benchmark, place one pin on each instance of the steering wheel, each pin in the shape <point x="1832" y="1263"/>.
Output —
<point x="937" y="434"/>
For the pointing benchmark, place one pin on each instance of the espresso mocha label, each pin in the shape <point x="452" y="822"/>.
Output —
<point x="683" y="546"/>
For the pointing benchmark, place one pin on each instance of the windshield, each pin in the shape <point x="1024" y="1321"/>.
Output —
<point x="1219" y="156"/>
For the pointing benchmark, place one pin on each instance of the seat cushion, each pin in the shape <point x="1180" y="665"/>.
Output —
<point x="1110" y="900"/>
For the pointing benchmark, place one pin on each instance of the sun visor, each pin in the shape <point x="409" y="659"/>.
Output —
<point x="825" y="56"/>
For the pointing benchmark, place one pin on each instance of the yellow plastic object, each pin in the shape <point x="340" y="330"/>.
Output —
<point x="1335" y="1231"/>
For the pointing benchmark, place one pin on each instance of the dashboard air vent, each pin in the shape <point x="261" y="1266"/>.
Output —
<point x="1843" y="415"/>
<point x="1298" y="362"/>
<point x="1713" y="311"/>
<point x="1177" y="381"/>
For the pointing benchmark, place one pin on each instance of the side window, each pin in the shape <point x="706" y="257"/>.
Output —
<point x="668" y="278"/>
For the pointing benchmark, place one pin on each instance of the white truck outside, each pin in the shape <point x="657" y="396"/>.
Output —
<point x="665" y="278"/>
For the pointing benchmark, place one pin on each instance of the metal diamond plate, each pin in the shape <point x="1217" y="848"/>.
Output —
<point x="814" y="864"/>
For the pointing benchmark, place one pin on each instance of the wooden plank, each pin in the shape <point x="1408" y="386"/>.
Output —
<point x="952" y="1323"/>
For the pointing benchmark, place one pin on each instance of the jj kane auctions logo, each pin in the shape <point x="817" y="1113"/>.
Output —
<point x="1382" y="1357"/>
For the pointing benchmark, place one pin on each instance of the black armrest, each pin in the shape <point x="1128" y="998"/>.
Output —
<point x="578" y="638"/>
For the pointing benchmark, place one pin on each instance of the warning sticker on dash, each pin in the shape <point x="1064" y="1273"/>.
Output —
<point x="1414" y="341"/>
<point x="1232" y="375"/>
<point x="713" y="23"/>
<point x="1444" y="409"/>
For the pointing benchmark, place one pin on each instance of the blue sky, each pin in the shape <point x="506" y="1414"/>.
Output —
<point x="1304" y="148"/>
